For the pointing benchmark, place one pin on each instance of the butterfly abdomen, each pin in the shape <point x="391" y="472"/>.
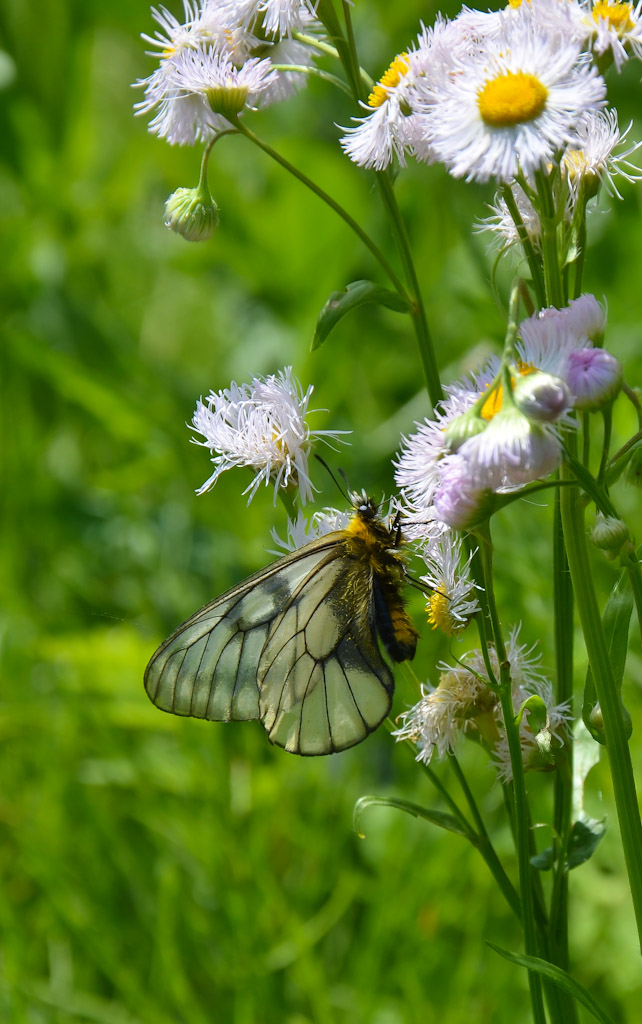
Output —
<point x="394" y="625"/>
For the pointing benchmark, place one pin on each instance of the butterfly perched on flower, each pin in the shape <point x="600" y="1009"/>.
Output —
<point x="296" y="645"/>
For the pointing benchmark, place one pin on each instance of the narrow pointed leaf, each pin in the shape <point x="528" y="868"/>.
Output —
<point x="446" y="821"/>
<point x="559" y="977"/>
<point x="359" y="293"/>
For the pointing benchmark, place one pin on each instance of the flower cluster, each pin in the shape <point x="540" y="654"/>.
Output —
<point x="502" y="94"/>
<point x="261" y="425"/>
<point x="501" y="429"/>
<point x="465" y="702"/>
<point x="221" y="59"/>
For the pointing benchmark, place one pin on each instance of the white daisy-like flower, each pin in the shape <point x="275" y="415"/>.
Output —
<point x="614" y="26"/>
<point x="281" y="17"/>
<point x="511" y="106"/>
<point x="181" y="117"/>
<point x="387" y="131"/>
<point x="175" y="93"/>
<point x="593" y="160"/>
<point x="393" y="127"/>
<point x="453" y="601"/>
<point x="503" y="226"/>
<point x="211" y="74"/>
<point x="285" y="83"/>
<point x="261" y="425"/>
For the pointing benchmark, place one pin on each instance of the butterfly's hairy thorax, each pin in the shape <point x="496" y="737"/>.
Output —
<point x="368" y="540"/>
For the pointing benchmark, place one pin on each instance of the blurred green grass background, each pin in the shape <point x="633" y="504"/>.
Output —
<point x="157" y="870"/>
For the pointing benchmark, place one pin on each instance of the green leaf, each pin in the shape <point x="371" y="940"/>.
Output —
<point x="615" y="620"/>
<point x="559" y="977"/>
<point x="359" y="293"/>
<point x="544" y="861"/>
<point x="584" y="839"/>
<point x="446" y="821"/>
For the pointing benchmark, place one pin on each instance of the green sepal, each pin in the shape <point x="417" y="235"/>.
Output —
<point x="560" y="978"/>
<point x="538" y="714"/>
<point x="359" y="293"/>
<point x="445" y="821"/>
<point x="615" y="620"/>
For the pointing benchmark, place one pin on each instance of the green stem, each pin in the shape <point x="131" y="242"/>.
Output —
<point x="329" y="201"/>
<point x="417" y="310"/>
<point x="563" y="786"/>
<point x="607" y="693"/>
<point x="631" y="562"/>
<point x="607" y="419"/>
<point x="485" y="846"/>
<point x="360" y="86"/>
<point x="527" y="245"/>
<point x="328" y="17"/>
<point x="520" y="804"/>
<point x="550" y="254"/>
<point x="316" y="44"/>
<point x="327" y="76"/>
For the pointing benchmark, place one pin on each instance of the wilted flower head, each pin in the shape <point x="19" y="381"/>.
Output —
<point x="466" y="703"/>
<point x="261" y="425"/>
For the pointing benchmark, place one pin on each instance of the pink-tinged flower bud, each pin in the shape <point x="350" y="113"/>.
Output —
<point x="458" y="502"/>
<point x="594" y="377"/>
<point x="542" y="397"/>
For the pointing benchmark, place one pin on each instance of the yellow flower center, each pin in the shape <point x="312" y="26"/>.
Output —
<point x="516" y="3"/>
<point x="618" y="15"/>
<point x="495" y="400"/>
<point x="512" y="98"/>
<point x="439" y="614"/>
<point x="399" y="67"/>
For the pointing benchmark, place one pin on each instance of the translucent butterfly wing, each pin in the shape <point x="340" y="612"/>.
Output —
<point x="208" y="667"/>
<point x="290" y="646"/>
<point x="323" y="683"/>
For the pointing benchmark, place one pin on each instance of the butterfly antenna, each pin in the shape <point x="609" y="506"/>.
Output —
<point x="334" y="479"/>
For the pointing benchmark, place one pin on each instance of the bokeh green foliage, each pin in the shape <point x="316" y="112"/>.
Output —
<point x="159" y="870"/>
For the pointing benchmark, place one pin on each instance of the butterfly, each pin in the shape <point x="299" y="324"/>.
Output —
<point x="296" y="645"/>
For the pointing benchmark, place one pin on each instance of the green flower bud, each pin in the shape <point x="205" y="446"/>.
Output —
<point x="192" y="213"/>
<point x="609" y="534"/>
